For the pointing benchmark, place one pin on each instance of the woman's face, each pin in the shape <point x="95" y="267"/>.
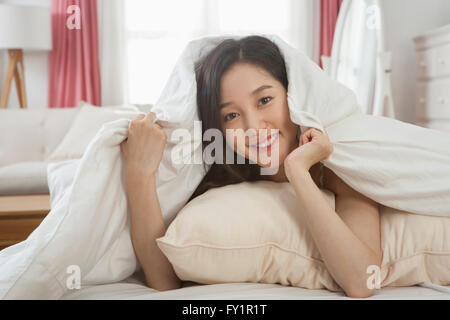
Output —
<point x="251" y="98"/>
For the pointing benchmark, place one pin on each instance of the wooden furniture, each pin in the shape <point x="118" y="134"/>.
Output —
<point x="22" y="28"/>
<point x="20" y="215"/>
<point x="15" y="61"/>
<point x="433" y="79"/>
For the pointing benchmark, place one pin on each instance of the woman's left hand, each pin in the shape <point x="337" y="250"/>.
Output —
<point x="314" y="147"/>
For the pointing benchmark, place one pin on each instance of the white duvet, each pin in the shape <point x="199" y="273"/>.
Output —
<point x="86" y="234"/>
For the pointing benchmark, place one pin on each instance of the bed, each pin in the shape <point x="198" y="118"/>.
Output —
<point x="134" y="288"/>
<point x="80" y="208"/>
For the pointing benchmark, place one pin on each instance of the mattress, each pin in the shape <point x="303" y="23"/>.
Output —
<point x="134" y="288"/>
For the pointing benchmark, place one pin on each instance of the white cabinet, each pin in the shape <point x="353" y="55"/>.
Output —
<point x="433" y="79"/>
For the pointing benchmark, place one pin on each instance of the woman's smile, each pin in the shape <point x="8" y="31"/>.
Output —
<point x="270" y="142"/>
<point x="245" y="92"/>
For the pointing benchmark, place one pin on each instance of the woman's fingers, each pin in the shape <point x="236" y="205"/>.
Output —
<point x="150" y="117"/>
<point x="309" y="134"/>
<point x="315" y="132"/>
<point x="140" y="116"/>
<point x="305" y="138"/>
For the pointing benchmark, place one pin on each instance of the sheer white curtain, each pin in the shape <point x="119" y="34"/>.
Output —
<point x="357" y="56"/>
<point x="358" y="52"/>
<point x="112" y="52"/>
<point x="157" y="31"/>
<point x="304" y="32"/>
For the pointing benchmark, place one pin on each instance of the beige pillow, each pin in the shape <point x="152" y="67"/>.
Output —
<point x="254" y="232"/>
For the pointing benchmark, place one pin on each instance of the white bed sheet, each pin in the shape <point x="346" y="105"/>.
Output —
<point x="134" y="288"/>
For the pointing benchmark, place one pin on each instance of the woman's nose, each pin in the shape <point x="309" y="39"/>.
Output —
<point x="256" y="121"/>
<point x="258" y="129"/>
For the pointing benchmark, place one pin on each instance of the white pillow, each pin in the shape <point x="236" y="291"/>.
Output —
<point x="85" y="126"/>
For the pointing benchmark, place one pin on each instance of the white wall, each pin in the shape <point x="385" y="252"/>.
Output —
<point x="404" y="20"/>
<point x="36" y="69"/>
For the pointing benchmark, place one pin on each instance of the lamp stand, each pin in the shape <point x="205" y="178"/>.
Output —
<point x="15" y="62"/>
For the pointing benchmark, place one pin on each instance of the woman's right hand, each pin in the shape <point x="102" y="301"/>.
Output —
<point x="144" y="147"/>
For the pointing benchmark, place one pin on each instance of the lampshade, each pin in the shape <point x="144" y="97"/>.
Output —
<point x="25" y="27"/>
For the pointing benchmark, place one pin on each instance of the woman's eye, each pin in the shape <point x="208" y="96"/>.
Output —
<point x="230" y="116"/>
<point x="265" y="100"/>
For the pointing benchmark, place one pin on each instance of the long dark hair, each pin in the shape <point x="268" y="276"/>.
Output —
<point x="256" y="50"/>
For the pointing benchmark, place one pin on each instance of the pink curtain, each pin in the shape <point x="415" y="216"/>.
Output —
<point x="329" y="10"/>
<point x="74" y="72"/>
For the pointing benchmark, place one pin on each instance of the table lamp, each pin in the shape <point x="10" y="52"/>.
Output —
<point x="22" y="27"/>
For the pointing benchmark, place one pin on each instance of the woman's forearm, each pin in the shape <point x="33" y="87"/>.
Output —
<point x="344" y="254"/>
<point x="146" y="225"/>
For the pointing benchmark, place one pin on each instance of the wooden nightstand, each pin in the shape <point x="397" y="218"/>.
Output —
<point x="20" y="215"/>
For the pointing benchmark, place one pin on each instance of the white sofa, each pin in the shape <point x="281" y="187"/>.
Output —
<point x="29" y="137"/>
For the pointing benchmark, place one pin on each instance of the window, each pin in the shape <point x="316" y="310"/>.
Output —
<point x="158" y="31"/>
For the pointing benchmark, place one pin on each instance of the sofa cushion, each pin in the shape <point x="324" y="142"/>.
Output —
<point x="32" y="134"/>
<point x="24" y="178"/>
<point x="85" y="126"/>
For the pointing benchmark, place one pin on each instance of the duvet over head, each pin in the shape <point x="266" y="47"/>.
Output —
<point x="395" y="163"/>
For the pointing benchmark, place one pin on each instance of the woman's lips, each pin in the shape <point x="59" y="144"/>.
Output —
<point x="267" y="144"/>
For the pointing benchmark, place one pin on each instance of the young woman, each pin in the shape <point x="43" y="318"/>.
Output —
<point x="242" y="84"/>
